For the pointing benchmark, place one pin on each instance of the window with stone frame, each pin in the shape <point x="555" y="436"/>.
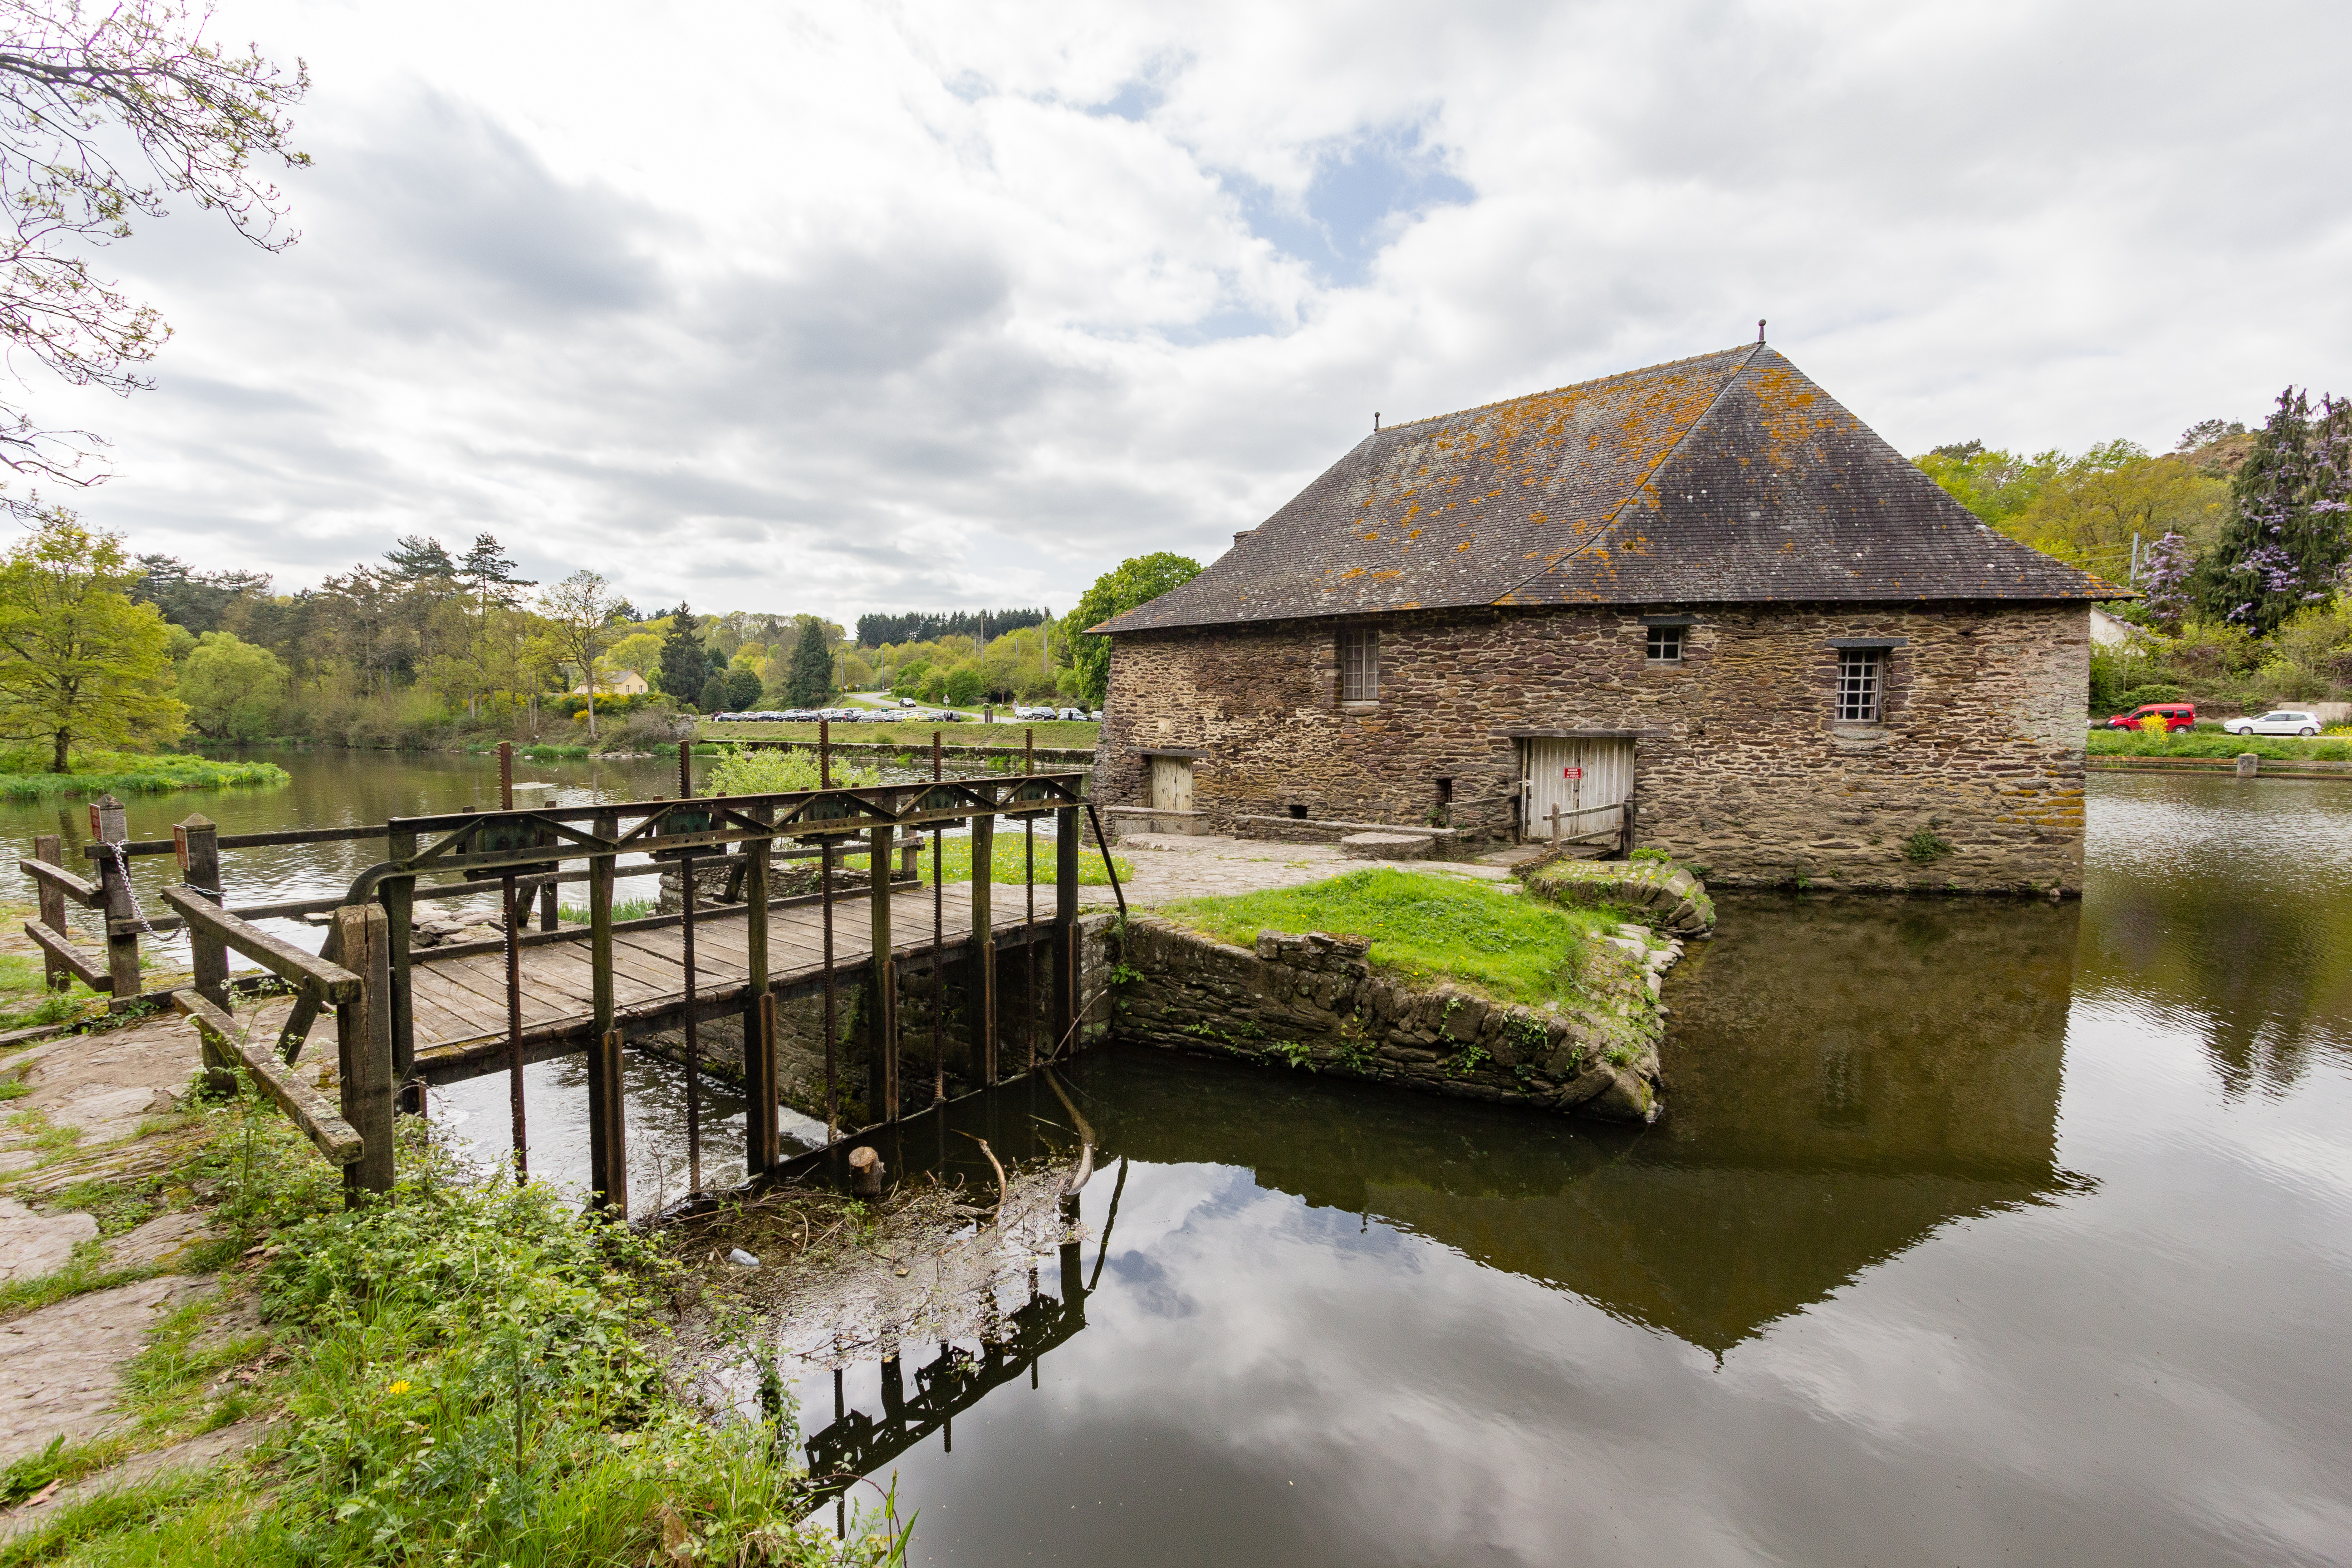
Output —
<point x="1359" y="664"/>
<point x="1862" y="685"/>
<point x="1666" y="644"/>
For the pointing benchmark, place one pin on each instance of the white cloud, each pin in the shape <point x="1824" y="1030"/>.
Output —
<point x="958" y="305"/>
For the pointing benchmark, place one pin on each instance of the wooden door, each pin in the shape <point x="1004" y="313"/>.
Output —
<point x="1577" y="776"/>
<point x="1171" y="784"/>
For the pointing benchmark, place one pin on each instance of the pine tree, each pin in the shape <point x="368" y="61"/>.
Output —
<point x="417" y="559"/>
<point x="684" y="665"/>
<point x="809" y="681"/>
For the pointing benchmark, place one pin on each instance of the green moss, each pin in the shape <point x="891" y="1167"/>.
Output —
<point x="1423" y="927"/>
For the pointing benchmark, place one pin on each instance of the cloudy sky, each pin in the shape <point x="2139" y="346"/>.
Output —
<point x="851" y="307"/>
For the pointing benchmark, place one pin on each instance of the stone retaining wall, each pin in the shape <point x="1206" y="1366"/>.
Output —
<point x="1314" y="1001"/>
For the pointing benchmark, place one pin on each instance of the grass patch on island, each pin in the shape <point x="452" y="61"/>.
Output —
<point x="1424" y="928"/>
<point x="124" y="773"/>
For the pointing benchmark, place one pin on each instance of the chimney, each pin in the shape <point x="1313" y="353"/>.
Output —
<point x="1240" y="535"/>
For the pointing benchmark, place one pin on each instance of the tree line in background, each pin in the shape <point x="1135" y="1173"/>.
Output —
<point x="2239" y="542"/>
<point x="981" y="626"/>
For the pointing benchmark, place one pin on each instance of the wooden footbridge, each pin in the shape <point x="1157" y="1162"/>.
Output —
<point x="407" y="1020"/>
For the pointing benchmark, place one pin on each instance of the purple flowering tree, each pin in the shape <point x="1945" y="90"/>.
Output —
<point x="2288" y="543"/>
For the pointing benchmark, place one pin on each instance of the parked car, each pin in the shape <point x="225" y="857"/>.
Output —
<point x="2177" y="716"/>
<point x="1077" y="713"/>
<point x="2283" y="722"/>
<point x="908" y="702"/>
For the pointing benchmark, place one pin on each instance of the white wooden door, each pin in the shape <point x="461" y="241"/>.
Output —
<point x="1577" y="776"/>
<point x="1171" y="784"/>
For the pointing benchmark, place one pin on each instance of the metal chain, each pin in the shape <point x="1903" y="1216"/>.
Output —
<point x="123" y="870"/>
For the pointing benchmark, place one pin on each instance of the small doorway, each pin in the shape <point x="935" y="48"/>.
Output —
<point x="1583" y="779"/>
<point x="1171" y="784"/>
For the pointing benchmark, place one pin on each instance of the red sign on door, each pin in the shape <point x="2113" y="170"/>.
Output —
<point x="1571" y="773"/>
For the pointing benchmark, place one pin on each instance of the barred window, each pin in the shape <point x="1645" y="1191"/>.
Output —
<point x="1666" y="644"/>
<point x="1860" y="682"/>
<point x="1359" y="664"/>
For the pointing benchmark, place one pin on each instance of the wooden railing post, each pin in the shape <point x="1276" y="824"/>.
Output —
<point x="109" y="825"/>
<point x="608" y="1138"/>
<point x="980" y="989"/>
<point x="883" y="973"/>
<point x="398" y="896"/>
<point x="762" y="1141"/>
<point x="50" y="847"/>
<point x="199" y="852"/>
<point x="1066" y="927"/>
<point x="364" y="1045"/>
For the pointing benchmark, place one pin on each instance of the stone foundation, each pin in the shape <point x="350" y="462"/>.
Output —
<point x="1313" y="1002"/>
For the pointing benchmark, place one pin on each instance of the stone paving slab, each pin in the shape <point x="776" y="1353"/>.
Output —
<point x="33" y="1244"/>
<point x="61" y="1367"/>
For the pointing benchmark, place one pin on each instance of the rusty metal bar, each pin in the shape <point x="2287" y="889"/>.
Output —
<point x="508" y="906"/>
<point x="938" y="943"/>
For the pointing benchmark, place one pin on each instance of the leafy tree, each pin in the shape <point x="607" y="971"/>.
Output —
<point x="683" y="661"/>
<point x="81" y="662"/>
<point x="809" y="679"/>
<point x="80" y="96"/>
<point x="966" y="684"/>
<point x="232" y="687"/>
<point x="712" y="698"/>
<point x="2090" y="508"/>
<point x="1991" y="483"/>
<point x="581" y="625"/>
<point x="2287" y="544"/>
<point x="1135" y="581"/>
<point x="743" y="688"/>
<point x="639" y="651"/>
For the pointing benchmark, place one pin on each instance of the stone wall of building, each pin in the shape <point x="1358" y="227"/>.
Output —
<point x="1973" y="781"/>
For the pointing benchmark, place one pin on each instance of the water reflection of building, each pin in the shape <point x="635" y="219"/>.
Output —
<point x="1844" y="1076"/>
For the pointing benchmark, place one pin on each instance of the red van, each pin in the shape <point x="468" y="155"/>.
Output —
<point x="2177" y="716"/>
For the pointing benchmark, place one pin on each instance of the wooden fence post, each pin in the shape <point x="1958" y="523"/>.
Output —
<point x="608" y="1137"/>
<point x="398" y="896"/>
<point x="762" y="1141"/>
<point x="109" y="825"/>
<point x="884" y="970"/>
<point x="1066" y="927"/>
<point x="981" y="990"/>
<point x="50" y="846"/>
<point x="199" y="848"/>
<point x="363" y="1048"/>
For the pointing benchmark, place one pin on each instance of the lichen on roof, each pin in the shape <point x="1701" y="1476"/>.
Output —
<point x="1729" y="478"/>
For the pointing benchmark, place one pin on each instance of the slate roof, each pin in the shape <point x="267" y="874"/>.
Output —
<point x="1727" y="478"/>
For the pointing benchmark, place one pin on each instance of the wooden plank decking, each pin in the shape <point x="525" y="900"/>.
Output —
<point x="460" y="1001"/>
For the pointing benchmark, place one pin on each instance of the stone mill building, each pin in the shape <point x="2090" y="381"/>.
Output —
<point x="1703" y="596"/>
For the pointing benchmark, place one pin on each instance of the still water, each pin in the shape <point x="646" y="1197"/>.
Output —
<point x="1976" y="1232"/>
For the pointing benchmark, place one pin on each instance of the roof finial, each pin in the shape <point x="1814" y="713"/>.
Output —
<point x="1759" y="329"/>
<point x="1376" y="421"/>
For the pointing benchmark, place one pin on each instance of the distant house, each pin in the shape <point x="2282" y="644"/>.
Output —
<point x="1703" y="593"/>
<point x="625" y="683"/>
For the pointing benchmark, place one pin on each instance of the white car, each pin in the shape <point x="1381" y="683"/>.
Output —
<point x="2283" y="722"/>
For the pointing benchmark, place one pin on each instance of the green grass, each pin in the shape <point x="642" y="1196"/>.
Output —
<point x="1010" y="861"/>
<point x="1424" y="928"/>
<point x="119" y="772"/>
<point x="469" y="1374"/>
<point x="2204" y="742"/>
<point x="1059" y="732"/>
<point x="25" y="999"/>
<point x="623" y="910"/>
